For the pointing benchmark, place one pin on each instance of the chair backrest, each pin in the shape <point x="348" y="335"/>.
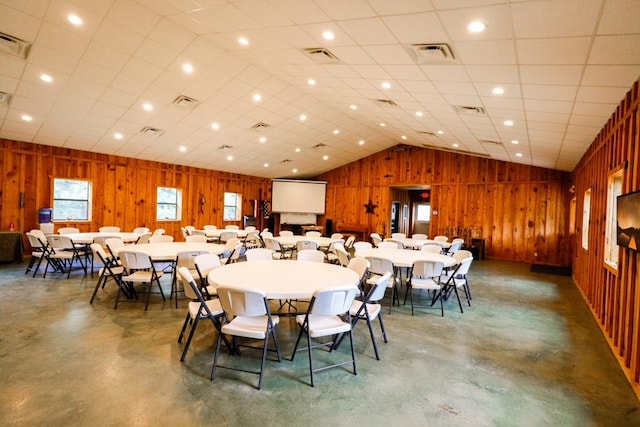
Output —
<point x="196" y="238"/>
<point x="99" y="253"/>
<point x="337" y="236"/>
<point x="455" y="247"/>
<point x="205" y="263"/>
<point x="286" y="233"/>
<point x="387" y="245"/>
<point x="188" y="258"/>
<point x="342" y="255"/>
<point x="259" y="254"/>
<point x="419" y="236"/>
<point x="113" y="243"/>
<point x="253" y="238"/>
<point x="190" y="229"/>
<point x="68" y="230"/>
<point x="198" y="233"/>
<point x="461" y="255"/>
<point x="231" y="244"/>
<point x="272" y="244"/>
<point x="398" y="236"/>
<point x="108" y="229"/>
<point x="398" y="243"/>
<point x="59" y="242"/>
<point x="238" y="301"/>
<point x="359" y="265"/>
<point x="209" y="227"/>
<point x="313" y="233"/>
<point x="303" y="245"/>
<point x="231" y="227"/>
<point x="133" y="261"/>
<point x="40" y="235"/>
<point x="463" y="267"/>
<point x="266" y="234"/>
<point x="161" y="238"/>
<point x="441" y="238"/>
<point x="158" y="232"/>
<point x="379" y="265"/>
<point x="350" y="241"/>
<point x="191" y="292"/>
<point x="436" y="249"/>
<point x="249" y="228"/>
<point x="144" y="238"/>
<point x="376" y="239"/>
<point x="360" y="246"/>
<point x="332" y="301"/>
<point x="141" y="230"/>
<point x="225" y="236"/>
<point x="376" y="293"/>
<point x="427" y="269"/>
<point x="310" y="255"/>
<point x="458" y="239"/>
<point x="184" y="231"/>
<point x="102" y="240"/>
<point x="372" y="235"/>
<point x="35" y="242"/>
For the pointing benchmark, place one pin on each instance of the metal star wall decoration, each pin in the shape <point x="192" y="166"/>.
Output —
<point x="370" y="207"/>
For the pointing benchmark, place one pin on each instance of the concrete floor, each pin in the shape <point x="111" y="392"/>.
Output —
<point x="527" y="353"/>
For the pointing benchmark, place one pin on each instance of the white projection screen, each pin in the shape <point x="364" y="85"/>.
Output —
<point x="294" y="196"/>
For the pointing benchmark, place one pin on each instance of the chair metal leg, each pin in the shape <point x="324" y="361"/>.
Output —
<point x="194" y="325"/>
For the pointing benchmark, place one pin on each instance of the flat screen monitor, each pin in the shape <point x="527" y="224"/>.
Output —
<point x="628" y="221"/>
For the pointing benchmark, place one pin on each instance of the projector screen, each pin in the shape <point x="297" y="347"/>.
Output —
<point x="291" y="196"/>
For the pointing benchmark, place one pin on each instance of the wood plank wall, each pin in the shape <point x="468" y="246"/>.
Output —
<point x="612" y="295"/>
<point x="124" y="189"/>
<point x="522" y="210"/>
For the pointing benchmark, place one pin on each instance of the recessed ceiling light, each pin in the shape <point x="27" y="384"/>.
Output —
<point x="263" y="139"/>
<point x="257" y="97"/>
<point x="404" y="137"/>
<point x="74" y="19"/>
<point x="354" y="107"/>
<point x="297" y="150"/>
<point x="328" y="35"/>
<point x="302" y="117"/>
<point x="311" y="82"/>
<point x="515" y="141"/>
<point x="385" y="85"/>
<point x="508" y="122"/>
<point x="27" y="118"/>
<point x="383" y="124"/>
<point x="46" y="78"/>
<point x="187" y="68"/>
<point x="336" y="131"/>
<point x="183" y="148"/>
<point x="325" y="157"/>
<point x="118" y="135"/>
<point x="229" y="158"/>
<point x="147" y="106"/>
<point x="440" y="132"/>
<point x="497" y="90"/>
<point x="455" y="145"/>
<point x="266" y="165"/>
<point x="518" y="154"/>
<point x="243" y="41"/>
<point x="294" y="170"/>
<point x="361" y="142"/>
<point x="215" y="125"/>
<point x="419" y="113"/>
<point x="476" y="26"/>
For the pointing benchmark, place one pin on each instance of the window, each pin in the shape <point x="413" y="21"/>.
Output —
<point x="586" y="217"/>
<point x="232" y="206"/>
<point x="614" y="189"/>
<point x="423" y="213"/>
<point x="71" y="200"/>
<point x="169" y="204"/>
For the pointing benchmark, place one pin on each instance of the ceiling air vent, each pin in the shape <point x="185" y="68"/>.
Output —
<point x="185" y="101"/>
<point x="320" y="145"/>
<point x="387" y="102"/>
<point x="260" y="126"/>
<point x="5" y="98"/>
<point x="488" y="141"/>
<point x="474" y="111"/>
<point x="225" y="147"/>
<point x="425" y="132"/>
<point x="14" y="46"/>
<point x="151" y="131"/>
<point x="286" y="161"/>
<point x="321" y="55"/>
<point x="432" y="53"/>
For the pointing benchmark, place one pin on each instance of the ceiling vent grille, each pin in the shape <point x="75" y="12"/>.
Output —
<point x="425" y="132"/>
<point x="432" y="53"/>
<point x="321" y="55"/>
<point x="286" y="161"/>
<point x="320" y="145"/>
<point x="488" y="141"/>
<point x="5" y="98"/>
<point x="260" y="126"/>
<point x="14" y="46"/>
<point x="185" y="101"/>
<point x="468" y="110"/>
<point x="225" y="147"/>
<point x="387" y="102"/>
<point x="151" y="131"/>
<point x="465" y="152"/>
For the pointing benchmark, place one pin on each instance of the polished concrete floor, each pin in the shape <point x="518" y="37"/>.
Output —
<point x="526" y="353"/>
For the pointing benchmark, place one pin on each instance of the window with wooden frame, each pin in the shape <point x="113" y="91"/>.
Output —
<point x="586" y="218"/>
<point x="232" y="206"/>
<point x="614" y="189"/>
<point x="71" y="200"/>
<point x="169" y="204"/>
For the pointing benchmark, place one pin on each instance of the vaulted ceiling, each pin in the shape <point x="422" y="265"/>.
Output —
<point x="293" y="88"/>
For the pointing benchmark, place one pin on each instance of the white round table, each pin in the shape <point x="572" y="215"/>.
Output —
<point x="216" y="233"/>
<point x="168" y="251"/>
<point x="87" y="238"/>
<point x="290" y="241"/>
<point x="406" y="257"/>
<point x="418" y="243"/>
<point x="283" y="279"/>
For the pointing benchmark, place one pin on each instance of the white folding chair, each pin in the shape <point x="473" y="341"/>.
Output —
<point x="139" y="269"/>
<point x="425" y="275"/>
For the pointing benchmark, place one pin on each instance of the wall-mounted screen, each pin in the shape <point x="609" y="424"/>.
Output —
<point x="296" y="196"/>
<point x="628" y="220"/>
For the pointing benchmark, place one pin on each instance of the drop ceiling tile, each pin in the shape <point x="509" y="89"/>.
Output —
<point x="559" y="51"/>
<point x="107" y="57"/>
<point x="551" y="74"/>
<point x="18" y="23"/>
<point x="155" y="53"/>
<point x="133" y="15"/>
<point x="620" y="17"/>
<point x="370" y="31"/>
<point x="497" y="18"/>
<point x="445" y="73"/>
<point x="118" y="37"/>
<point x="300" y="11"/>
<point x="549" y="92"/>
<point x="610" y="75"/>
<point x="499" y="74"/>
<point x="129" y="85"/>
<point x="601" y="94"/>
<point x="594" y="109"/>
<point x="615" y="50"/>
<point x="486" y="52"/>
<point x="389" y="55"/>
<point x="548" y="106"/>
<point x="72" y="43"/>
<point x="118" y="98"/>
<point x="93" y="73"/>
<point x="459" y="88"/>
<point x="555" y="18"/>
<point x="340" y="10"/>
<point x="171" y="35"/>
<point x="417" y="28"/>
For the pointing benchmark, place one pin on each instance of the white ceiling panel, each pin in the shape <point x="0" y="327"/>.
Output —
<point x="564" y="65"/>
